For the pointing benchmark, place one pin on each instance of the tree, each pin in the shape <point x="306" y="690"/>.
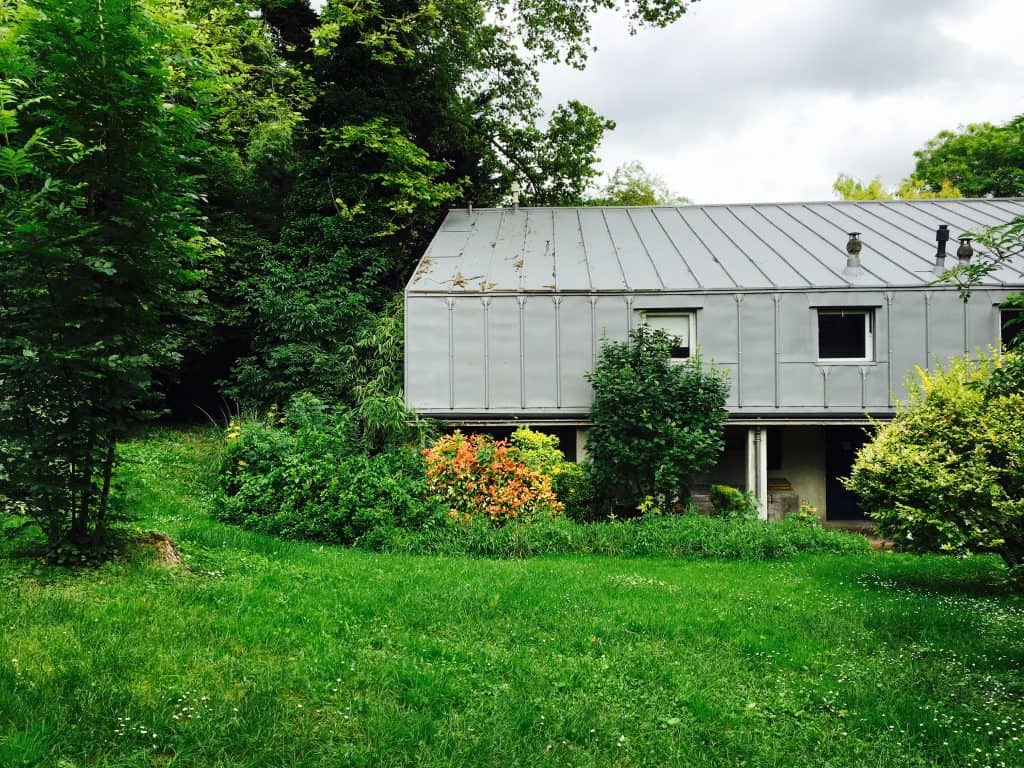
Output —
<point x="979" y="159"/>
<point x="849" y="188"/>
<point x="655" y="423"/>
<point x="97" y="229"/>
<point x="418" y="105"/>
<point x="947" y="473"/>
<point x="632" y="184"/>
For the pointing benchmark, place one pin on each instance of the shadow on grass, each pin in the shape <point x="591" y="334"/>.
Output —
<point x="978" y="576"/>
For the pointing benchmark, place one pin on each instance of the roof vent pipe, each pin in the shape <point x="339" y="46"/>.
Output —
<point x="964" y="252"/>
<point x="515" y="189"/>
<point x="941" y="237"/>
<point x="853" y="246"/>
<point x="470" y="207"/>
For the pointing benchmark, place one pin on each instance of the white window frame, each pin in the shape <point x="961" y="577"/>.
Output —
<point x="647" y="315"/>
<point x="869" y="336"/>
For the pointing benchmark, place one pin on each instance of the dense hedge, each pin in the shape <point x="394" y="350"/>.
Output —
<point x="689" y="535"/>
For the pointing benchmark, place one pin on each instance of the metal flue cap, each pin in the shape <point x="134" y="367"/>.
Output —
<point x="942" y="234"/>
<point x="853" y="245"/>
<point x="964" y="252"/>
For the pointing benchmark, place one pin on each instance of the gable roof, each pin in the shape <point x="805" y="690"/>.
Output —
<point x="701" y="247"/>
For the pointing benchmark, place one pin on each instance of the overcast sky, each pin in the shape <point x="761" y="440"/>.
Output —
<point x="757" y="100"/>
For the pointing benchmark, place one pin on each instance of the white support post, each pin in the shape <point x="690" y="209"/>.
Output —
<point x="757" y="468"/>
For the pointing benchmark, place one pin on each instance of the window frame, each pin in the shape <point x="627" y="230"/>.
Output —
<point x="691" y="316"/>
<point x="869" y="334"/>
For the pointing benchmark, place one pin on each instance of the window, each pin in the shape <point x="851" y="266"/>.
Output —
<point x="676" y="324"/>
<point x="1011" y="327"/>
<point x="845" y="334"/>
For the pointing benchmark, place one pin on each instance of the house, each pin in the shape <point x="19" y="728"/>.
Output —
<point x="818" y="311"/>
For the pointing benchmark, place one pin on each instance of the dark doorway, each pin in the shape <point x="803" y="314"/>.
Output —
<point x="841" y="446"/>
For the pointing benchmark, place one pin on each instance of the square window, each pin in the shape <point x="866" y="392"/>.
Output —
<point x="679" y="325"/>
<point x="1011" y="327"/>
<point x="845" y="334"/>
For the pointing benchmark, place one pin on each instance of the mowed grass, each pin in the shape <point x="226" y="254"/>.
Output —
<point x="273" y="653"/>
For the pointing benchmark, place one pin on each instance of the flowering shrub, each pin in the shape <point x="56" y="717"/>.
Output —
<point x="478" y="478"/>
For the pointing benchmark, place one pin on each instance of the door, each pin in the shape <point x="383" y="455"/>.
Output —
<point x="841" y="446"/>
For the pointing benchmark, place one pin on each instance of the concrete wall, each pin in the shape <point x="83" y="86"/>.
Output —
<point x="503" y="356"/>
<point x="803" y="464"/>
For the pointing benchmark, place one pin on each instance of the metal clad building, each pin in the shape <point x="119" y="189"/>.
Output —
<point x="507" y="309"/>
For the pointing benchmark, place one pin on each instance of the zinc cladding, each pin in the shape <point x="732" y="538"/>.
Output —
<point x="777" y="246"/>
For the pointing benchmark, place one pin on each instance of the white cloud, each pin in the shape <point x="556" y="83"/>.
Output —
<point x="744" y="100"/>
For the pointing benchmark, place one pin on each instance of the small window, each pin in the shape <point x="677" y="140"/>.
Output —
<point x="679" y="325"/>
<point x="1011" y="327"/>
<point x="845" y="334"/>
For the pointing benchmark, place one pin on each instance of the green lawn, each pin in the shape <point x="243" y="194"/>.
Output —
<point x="283" y="654"/>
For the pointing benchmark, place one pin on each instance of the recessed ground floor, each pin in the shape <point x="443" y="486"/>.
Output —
<point x="785" y="465"/>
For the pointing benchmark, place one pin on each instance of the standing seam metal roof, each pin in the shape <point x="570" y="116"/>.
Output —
<point x="702" y="247"/>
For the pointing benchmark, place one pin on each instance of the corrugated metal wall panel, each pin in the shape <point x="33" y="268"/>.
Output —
<point x="504" y="354"/>
<point x="757" y="356"/>
<point x="468" y="352"/>
<point x="426" y="353"/>
<point x="541" y="358"/>
<point x="576" y="335"/>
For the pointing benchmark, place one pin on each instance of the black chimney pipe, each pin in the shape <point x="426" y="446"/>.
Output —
<point x="941" y="237"/>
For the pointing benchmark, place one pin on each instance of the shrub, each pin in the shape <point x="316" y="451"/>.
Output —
<point x="538" y="451"/>
<point x="573" y="488"/>
<point x="947" y="473"/>
<point x="649" y="536"/>
<point x="307" y="475"/>
<point x="732" y="503"/>
<point x="655" y="423"/>
<point x="476" y="477"/>
<point x="569" y="481"/>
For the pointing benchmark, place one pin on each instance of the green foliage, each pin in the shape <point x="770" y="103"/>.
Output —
<point x="570" y="481"/>
<point x="573" y="487"/>
<point x="848" y="188"/>
<point x="980" y="159"/>
<point x="655" y="423"/>
<point x="632" y="184"/>
<point x="648" y="536"/>
<point x="947" y="474"/>
<point x="308" y="476"/>
<point x="538" y="451"/>
<point x="97" y="239"/>
<point x="731" y="503"/>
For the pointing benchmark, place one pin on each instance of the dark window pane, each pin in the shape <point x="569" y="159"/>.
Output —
<point x="1011" y="327"/>
<point x="841" y="335"/>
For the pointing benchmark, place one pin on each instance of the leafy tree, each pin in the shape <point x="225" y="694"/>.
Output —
<point x="979" y="159"/>
<point x="96" y="223"/>
<point x="655" y="423"/>
<point x="849" y="188"/>
<point x="417" y="105"/>
<point x="632" y="184"/>
<point x="947" y="474"/>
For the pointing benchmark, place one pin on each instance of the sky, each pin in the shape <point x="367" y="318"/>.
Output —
<point x="768" y="100"/>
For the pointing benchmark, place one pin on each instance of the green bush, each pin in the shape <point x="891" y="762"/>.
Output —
<point x="308" y="476"/>
<point x="947" y="474"/>
<point x="649" y="536"/>
<point x="731" y="503"/>
<point x="656" y="423"/>
<point x="569" y="480"/>
<point x="573" y="488"/>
